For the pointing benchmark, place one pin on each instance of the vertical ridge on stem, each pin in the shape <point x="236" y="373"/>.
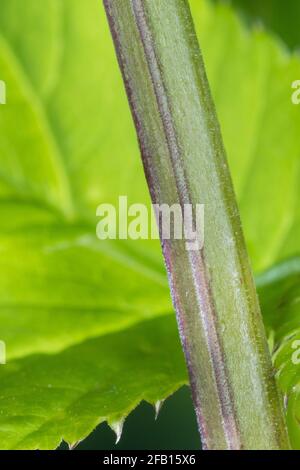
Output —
<point x="204" y="300"/>
<point x="234" y="391"/>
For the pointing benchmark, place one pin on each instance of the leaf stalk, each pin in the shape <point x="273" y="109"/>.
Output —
<point x="233" y="387"/>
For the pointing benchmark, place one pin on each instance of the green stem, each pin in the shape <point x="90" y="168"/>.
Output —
<point x="233" y="387"/>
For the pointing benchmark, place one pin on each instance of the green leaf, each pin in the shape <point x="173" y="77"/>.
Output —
<point x="278" y="16"/>
<point x="279" y="290"/>
<point x="66" y="395"/>
<point x="251" y="76"/>
<point x="64" y="141"/>
<point x="59" y="286"/>
<point x="67" y="144"/>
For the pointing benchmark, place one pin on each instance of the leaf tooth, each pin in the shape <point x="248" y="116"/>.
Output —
<point x="117" y="428"/>
<point x="73" y="445"/>
<point x="157" y="407"/>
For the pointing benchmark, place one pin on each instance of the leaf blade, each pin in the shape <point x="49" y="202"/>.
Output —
<point x="99" y="385"/>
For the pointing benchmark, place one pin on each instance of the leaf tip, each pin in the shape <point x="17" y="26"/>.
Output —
<point x="157" y="407"/>
<point x="117" y="428"/>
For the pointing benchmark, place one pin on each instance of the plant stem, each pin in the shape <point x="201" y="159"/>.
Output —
<point x="232" y="381"/>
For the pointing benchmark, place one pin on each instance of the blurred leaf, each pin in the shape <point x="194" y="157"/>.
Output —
<point x="59" y="286"/>
<point x="279" y="291"/>
<point x="251" y="76"/>
<point x="86" y="322"/>
<point x="280" y="17"/>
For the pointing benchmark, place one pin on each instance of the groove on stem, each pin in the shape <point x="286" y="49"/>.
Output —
<point x="234" y="391"/>
<point x="204" y="299"/>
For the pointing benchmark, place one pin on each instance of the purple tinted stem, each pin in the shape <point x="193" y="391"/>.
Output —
<point x="234" y="391"/>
